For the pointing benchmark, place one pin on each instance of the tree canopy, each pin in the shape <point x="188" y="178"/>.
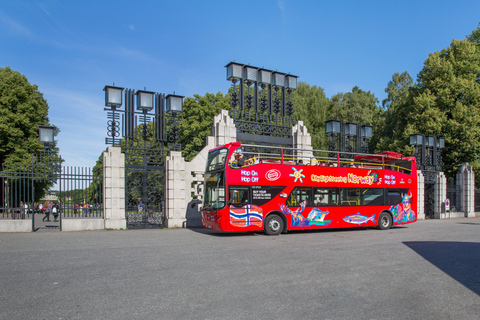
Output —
<point x="22" y="108"/>
<point x="444" y="102"/>
<point x="311" y="106"/>
<point x="197" y="119"/>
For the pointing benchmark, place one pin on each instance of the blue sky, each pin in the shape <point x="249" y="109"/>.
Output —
<point x="72" y="49"/>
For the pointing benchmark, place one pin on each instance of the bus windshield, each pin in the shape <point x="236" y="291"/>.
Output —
<point x="214" y="194"/>
<point x="216" y="160"/>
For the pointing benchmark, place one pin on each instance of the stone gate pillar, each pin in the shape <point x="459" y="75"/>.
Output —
<point x="114" y="188"/>
<point x="175" y="189"/>
<point x="440" y="195"/>
<point x="420" y="195"/>
<point x="466" y="188"/>
<point x="302" y="140"/>
<point x="223" y="129"/>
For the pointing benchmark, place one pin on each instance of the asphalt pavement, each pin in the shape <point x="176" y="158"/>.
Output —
<point x="426" y="270"/>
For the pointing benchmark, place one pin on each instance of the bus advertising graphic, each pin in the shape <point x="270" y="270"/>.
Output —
<point x="276" y="191"/>
<point x="297" y="175"/>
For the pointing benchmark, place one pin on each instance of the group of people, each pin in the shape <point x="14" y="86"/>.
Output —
<point x="85" y="208"/>
<point x="49" y="208"/>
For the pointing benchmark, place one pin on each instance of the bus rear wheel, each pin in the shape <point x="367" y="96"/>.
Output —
<point x="273" y="225"/>
<point x="384" y="221"/>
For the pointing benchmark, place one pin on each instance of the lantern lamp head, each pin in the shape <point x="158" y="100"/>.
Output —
<point x="45" y="135"/>
<point x="174" y="104"/>
<point x="332" y="126"/>
<point x="234" y="71"/>
<point x="144" y="100"/>
<point x="113" y="96"/>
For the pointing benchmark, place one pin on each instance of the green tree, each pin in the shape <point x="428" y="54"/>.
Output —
<point x="310" y="105"/>
<point x="197" y="119"/>
<point x="447" y="103"/>
<point x="357" y="106"/>
<point x="392" y="130"/>
<point x="22" y="108"/>
<point x="474" y="38"/>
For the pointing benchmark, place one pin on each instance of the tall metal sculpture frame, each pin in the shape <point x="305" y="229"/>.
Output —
<point x="262" y="106"/>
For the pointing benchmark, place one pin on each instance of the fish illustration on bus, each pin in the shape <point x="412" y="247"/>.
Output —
<point x="359" y="218"/>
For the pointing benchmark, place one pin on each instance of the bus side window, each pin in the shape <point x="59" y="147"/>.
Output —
<point x="239" y="196"/>
<point x="350" y="196"/>
<point x="299" y="195"/>
<point x="394" y="196"/>
<point x="325" y="197"/>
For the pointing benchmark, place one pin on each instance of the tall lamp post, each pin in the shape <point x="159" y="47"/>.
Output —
<point x="348" y="137"/>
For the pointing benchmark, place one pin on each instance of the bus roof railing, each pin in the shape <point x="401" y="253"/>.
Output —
<point x="312" y="157"/>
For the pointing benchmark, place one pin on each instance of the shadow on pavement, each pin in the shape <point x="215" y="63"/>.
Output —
<point x="460" y="260"/>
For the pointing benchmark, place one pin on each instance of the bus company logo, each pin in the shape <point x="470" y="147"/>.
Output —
<point x="273" y="174"/>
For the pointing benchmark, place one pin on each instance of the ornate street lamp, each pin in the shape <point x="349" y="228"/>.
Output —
<point x="428" y="151"/>
<point x="114" y="100"/>
<point x="278" y="82"/>
<point x="174" y="106"/>
<point x="45" y="135"/>
<point x="264" y="80"/>
<point x="366" y="135"/>
<point x="249" y="77"/>
<point x="235" y="74"/>
<point x="290" y="85"/>
<point x="348" y="137"/>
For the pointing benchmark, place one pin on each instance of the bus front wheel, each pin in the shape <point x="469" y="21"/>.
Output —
<point x="384" y="221"/>
<point x="273" y="225"/>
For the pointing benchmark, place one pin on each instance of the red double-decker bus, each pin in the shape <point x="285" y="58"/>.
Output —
<point x="255" y="188"/>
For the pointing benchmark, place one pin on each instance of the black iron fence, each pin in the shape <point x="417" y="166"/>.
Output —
<point x="45" y="186"/>
<point x="477" y="200"/>
<point x="452" y="195"/>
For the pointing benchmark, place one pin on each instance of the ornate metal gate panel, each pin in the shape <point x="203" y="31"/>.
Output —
<point x="262" y="107"/>
<point x="429" y="200"/>
<point x="145" y="197"/>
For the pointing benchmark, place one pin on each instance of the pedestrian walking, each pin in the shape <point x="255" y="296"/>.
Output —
<point x="55" y="213"/>
<point x="47" y="209"/>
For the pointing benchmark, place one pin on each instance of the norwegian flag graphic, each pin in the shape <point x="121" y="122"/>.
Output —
<point x="249" y="215"/>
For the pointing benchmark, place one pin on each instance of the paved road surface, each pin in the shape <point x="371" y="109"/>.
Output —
<point x="427" y="270"/>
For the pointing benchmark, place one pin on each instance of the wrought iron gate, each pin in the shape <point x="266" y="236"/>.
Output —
<point x="148" y="134"/>
<point x="144" y="197"/>
<point x="429" y="200"/>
